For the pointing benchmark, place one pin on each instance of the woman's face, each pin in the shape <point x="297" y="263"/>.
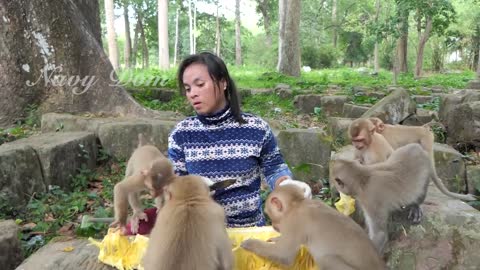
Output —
<point x="201" y="90"/>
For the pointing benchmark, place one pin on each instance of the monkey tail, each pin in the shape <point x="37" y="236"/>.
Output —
<point x="438" y="182"/>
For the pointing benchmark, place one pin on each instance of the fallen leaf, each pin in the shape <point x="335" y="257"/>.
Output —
<point x="29" y="226"/>
<point x="66" y="229"/>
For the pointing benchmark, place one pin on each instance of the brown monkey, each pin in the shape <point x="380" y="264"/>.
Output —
<point x="387" y="186"/>
<point x="370" y="147"/>
<point x="334" y="240"/>
<point x="398" y="136"/>
<point x="189" y="232"/>
<point x="147" y="169"/>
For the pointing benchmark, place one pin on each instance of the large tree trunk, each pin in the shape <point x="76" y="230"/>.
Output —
<point x="143" y="39"/>
<point x="478" y="65"/>
<point x="376" y="64"/>
<point x="396" y="68"/>
<point x="282" y="9"/>
<point x="238" y="39"/>
<point x="61" y="66"/>
<point x="175" y="49"/>
<point x="111" y="37"/>
<point x="190" y="27"/>
<point x="136" y="35"/>
<point x="128" y="40"/>
<point x="217" y="33"/>
<point x="289" y="59"/>
<point x="163" y="54"/>
<point x="334" y="22"/>
<point x="194" y="37"/>
<point x="402" y="43"/>
<point x="263" y="5"/>
<point x="422" y="40"/>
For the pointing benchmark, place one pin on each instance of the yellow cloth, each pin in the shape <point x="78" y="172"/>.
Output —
<point x="345" y="205"/>
<point x="125" y="253"/>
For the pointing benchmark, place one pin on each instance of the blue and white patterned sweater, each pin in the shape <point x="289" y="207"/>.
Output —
<point x="220" y="148"/>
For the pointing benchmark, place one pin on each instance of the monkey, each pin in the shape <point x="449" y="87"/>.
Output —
<point x="189" y="231"/>
<point x="384" y="187"/>
<point x="334" y="240"/>
<point x="370" y="146"/>
<point x="147" y="169"/>
<point x="397" y="136"/>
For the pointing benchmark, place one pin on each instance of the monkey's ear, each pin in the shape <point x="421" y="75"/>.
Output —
<point x="144" y="172"/>
<point x="276" y="203"/>
<point x="381" y="127"/>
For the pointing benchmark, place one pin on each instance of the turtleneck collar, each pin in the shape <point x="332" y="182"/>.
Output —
<point x="217" y="117"/>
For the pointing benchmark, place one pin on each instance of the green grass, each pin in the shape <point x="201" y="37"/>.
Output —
<point x="267" y="105"/>
<point x="317" y="81"/>
<point x="257" y="77"/>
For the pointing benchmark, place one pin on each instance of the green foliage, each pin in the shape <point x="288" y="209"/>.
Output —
<point x="440" y="134"/>
<point x="434" y="105"/>
<point x="363" y="99"/>
<point x="303" y="168"/>
<point x="319" y="57"/>
<point x="56" y="208"/>
<point x="82" y="178"/>
<point x="257" y="53"/>
<point x="7" y="210"/>
<point x="354" y="52"/>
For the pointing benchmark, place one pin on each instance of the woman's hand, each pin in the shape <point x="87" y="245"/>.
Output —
<point x="307" y="191"/>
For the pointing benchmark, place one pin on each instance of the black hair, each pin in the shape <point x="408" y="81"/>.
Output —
<point x="218" y="71"/>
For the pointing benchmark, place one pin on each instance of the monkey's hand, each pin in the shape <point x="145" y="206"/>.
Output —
<point x="273" y="239"/>
<point x="251" y="245"/>
<point x="117" y="225"/>
<point x="307" y="191"/>
<point x="135" y="221"/>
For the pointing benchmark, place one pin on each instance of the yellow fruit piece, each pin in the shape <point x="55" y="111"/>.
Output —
<point x="126" y="253"/>
<point x="345" y="205"/>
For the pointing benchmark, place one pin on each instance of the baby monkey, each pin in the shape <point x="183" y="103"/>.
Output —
<point x="334" y="240"/>
<point x="384" y="187"/>
<point x="370" y="147"/>
<point x="147" y="169"/>
<point x="189" y="232"/>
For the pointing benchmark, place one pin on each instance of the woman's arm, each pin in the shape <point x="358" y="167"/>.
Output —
<point x="176" y="154"/>
<point x="272" y="163"/>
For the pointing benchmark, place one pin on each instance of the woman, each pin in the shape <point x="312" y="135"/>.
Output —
<point x="221" y="142"/>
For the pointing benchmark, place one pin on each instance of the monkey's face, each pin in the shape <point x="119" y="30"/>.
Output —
<point x="362" y="140"/>
<point x="342" y="177"/>
<point x="155" y="184"/>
